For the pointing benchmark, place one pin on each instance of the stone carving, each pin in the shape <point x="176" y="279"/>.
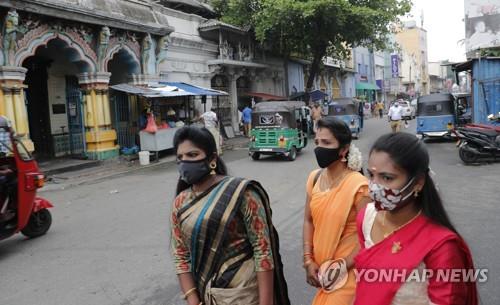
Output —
<point x="9" y="36"/>
<point x="226" y="50"/>
<point x="161" y="49"/>
<point x="146" y="47"/>
<point x="102" y="45"/>
<point x="242" y="52"/>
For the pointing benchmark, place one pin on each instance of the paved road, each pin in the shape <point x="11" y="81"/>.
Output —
<point x="109" y="241"/>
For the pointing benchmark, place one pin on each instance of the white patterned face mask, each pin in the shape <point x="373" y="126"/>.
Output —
<point x="389" y="199"/>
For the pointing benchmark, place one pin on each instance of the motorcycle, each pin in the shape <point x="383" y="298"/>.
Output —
<point x="20" y="209"/>
<point x="478" y="143"/>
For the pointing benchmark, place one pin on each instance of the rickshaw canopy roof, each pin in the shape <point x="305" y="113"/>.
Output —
<point x="278" y="106"/>
<point x="435" y="98"/>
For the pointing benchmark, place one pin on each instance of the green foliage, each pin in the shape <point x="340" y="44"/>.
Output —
<point x="313" y="29"/>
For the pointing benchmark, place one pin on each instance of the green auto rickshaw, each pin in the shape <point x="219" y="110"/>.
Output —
<point x="279" y="128"/>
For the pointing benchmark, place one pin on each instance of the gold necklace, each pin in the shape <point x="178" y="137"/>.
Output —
<point x="401" y="226"/>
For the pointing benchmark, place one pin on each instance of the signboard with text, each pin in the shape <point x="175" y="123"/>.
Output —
<point x="395" y="65"/>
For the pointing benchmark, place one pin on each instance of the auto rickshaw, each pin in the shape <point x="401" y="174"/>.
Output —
<point x="20" y="209"/>
<point x="347" y="110"/>
<point x="436" y="116"/>
<point x="279" y="128"/>
<point x="463" y="106"/>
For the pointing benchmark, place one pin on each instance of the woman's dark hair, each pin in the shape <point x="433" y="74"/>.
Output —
<point x="410" y="154"/>
<point x="338" y="128"/>
<point x="204" y="140"/>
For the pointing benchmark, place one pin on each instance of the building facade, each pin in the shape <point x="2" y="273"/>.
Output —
<point x="60" y="57"/>
<point x="415" y="65"/>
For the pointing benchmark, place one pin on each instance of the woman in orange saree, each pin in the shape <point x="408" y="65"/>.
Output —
<point x="335" y="194"/>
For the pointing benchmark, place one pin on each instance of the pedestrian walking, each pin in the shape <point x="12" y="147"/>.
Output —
<point x="247" y="120"/>
<point x="224" y="244"/>
<point x="407" y="230"/>
<point x="211" y="123"/>
<point x="380" y="109"/>
<point x="335" y="194"/>
<point x="316" y="114"/>
<point x="395" y="115"/>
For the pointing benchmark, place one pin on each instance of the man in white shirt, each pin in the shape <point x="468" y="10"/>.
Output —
<point x="210" y="121"/>
<point x="395" y="115"/>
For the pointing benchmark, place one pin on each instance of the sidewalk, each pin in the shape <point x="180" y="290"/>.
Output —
<point x="61" y="180"/>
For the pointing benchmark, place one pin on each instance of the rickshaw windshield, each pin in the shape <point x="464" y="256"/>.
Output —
<point x="6" y="148"/>
<point x="24" y="154"/>
<point x="272" y="119"/>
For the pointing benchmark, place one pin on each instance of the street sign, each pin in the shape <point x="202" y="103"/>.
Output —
<point x="395" y="65"/>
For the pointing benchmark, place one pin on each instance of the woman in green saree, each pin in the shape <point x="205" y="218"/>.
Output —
<point x="224" y="246"/>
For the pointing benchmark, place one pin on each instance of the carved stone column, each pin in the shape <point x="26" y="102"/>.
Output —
<point x="233" y="76"/>
<point x="100" y="136"/>
<point x="12" y="101"/>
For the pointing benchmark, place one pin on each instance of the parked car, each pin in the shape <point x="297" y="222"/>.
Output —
<point x="408" y="110"/>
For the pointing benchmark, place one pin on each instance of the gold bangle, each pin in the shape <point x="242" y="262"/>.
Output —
<point x="307" y="253"/>
<point x="189" y="292"/>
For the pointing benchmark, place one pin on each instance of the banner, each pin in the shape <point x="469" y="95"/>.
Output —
<point x="482" y="24"/>
<point x="395" y="65"/>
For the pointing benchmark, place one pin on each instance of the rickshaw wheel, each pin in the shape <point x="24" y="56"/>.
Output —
<point x="38" y="224"/>
<point x="255" y="156"/>
<point x="292" y="154"/>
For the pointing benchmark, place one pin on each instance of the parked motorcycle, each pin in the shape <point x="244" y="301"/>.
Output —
<point x="20" y="209"/>
<point x="478" y="143"/>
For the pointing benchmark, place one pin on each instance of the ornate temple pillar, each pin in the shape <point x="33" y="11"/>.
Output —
<point x="100" y="136"/>
<point x="12" y="101"/>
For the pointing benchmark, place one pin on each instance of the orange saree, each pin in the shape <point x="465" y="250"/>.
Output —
<point x="335" y="234"/>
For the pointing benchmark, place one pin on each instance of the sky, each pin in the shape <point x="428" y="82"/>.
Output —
<point x="443" y="20"/>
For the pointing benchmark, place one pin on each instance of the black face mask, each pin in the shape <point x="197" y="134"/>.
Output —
<point x="326" y="156"/>
<point x="193" y="172"/>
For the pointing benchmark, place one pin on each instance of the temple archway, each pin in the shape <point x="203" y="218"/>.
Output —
<point x="53" y="96"/>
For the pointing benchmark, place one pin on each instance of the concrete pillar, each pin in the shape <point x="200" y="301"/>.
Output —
<point x="12" y="101"/>
<point x="233" y="93"/>
<point x="100" y="137"/>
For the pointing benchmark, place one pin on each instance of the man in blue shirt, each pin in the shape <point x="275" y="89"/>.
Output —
<point x="247" y="120"/>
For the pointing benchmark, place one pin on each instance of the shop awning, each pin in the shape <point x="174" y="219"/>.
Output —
<point x="367" y="86"/>
<point x="266" y="96"/>
<point x="195" y="90"/>
<point x="167" y="89"/>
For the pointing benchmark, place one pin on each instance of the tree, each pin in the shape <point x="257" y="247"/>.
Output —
<point x="313" y="29"/>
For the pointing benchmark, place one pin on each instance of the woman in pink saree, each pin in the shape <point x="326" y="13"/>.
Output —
<point x="410" y="252"/>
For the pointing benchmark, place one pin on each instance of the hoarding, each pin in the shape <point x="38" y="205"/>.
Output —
<point x="482" y="24"/>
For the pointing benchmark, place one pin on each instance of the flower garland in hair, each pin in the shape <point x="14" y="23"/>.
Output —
<point x="354" y="158"/>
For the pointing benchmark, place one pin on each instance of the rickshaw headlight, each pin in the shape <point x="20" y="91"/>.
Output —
<point x="352" y="122"/>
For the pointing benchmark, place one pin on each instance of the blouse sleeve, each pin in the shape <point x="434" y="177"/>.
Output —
<point x="257" y="228"/>
<point x="179" y="249"/>
<point x="310" y="181"/>
<point x="442" y="290"/>
<point x="360" y="196"/>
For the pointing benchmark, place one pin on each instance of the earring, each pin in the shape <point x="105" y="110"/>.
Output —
<point x="416" y="193"/>
<point x="213" y="166"/>
<point x="343" y="159"/>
